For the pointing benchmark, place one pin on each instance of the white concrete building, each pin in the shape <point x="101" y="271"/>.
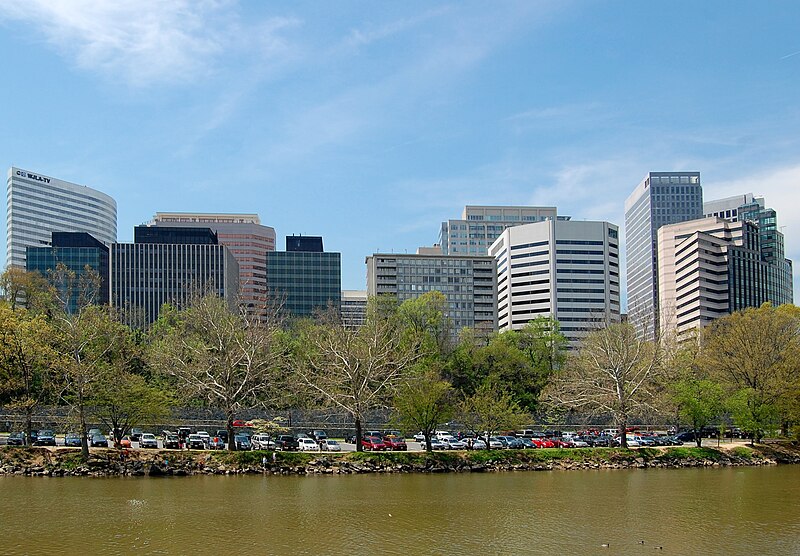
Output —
<point x="568" y="270"/>
<point x="354" y="307"/>
<point x="39" y="205"/>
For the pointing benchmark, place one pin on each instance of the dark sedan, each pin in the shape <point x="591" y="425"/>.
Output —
<point x="98" y="441"/>
<point x="45" y="438"/>
<point x="16" y="439"/>
<point x="72" y="439"/>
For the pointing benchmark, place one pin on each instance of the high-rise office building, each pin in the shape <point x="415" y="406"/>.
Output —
<point x="467" y="281"/>
<point x="661" y="198"/>
<point x="749" y="208"/>
<point x="39" y="205"/>
<point x="567" y="270"/>
<point x="304" y="281"/>
<point x="246" y="239"/>
<point x="709" y="268"/>
<point x="77" y="252"/>
<point x="479" y="226"/>
<point x="169" y="265"/>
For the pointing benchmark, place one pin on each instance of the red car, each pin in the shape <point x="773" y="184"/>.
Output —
<point x="395" y="443"/>
<point x="373" y="443"/>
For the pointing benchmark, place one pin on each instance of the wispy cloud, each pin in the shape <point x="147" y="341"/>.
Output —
<point x="790" y="55"/>
<point x="369" y="35"/>
<point x="142" y="41"/>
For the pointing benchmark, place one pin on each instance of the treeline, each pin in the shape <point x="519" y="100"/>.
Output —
<point x="62" y="348"/>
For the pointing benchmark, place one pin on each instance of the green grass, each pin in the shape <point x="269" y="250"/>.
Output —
<point x="696" y="453"/>
<point x="743" y="452"/>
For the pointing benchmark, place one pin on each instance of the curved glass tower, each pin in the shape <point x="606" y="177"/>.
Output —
<point x="39" y="205"/>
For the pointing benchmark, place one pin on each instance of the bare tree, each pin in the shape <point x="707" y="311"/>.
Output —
<point x="614" y="372"/>
<point x="355" y="370"/>
<point x="229" y="359"/>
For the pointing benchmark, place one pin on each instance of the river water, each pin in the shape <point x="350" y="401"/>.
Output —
<point x="684" y="511"/>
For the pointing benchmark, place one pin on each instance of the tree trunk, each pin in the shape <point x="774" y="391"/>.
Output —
<point x="698" y="437"/>
<point x="359" y="447"/>
<point x="428" y="447"/>
<point x="487" y="441"/>
<point x="231" y="434"/>
<point x="28" y="428"/>
<point x="84" y="439"/>
<point x="623" y="432"/>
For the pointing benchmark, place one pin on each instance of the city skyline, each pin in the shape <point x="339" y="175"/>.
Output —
<point x="395" y="118"/>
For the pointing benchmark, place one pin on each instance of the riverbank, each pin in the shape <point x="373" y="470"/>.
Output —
<point x="63" y="462"/>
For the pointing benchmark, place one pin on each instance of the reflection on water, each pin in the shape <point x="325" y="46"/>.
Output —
<point x="688" y="511"/>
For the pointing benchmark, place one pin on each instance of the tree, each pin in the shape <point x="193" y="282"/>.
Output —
<point x="756" y="352"/>
<point x="354" y="370"/>
<point x="123" y="399"/>
<point x="491" y="409"/>
<point x="423" y="401"/>
<point x="613" y="372"/>
<point x="424" y="320"/>
<point x="228" y="359"/>
<point x="524" y="360"/>
<point x="26" y="360"/>
<point x="699" y="401"/>
<point x="93" y="347"/>
<point x="22" y="288"/>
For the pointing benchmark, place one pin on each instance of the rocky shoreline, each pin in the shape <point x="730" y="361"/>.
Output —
<point x="43" y="462"/>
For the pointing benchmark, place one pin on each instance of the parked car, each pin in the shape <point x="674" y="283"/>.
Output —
<point x="222" y="434"/>
<point x="395" y="443"/>
<point x="136" y="434"/>
<point x="72" y="440"/>
<point x="512" y="442"/>
<point x="527" y="443"/>
<point x="308" y="445"/>
<point x="262" y="441"/>
<point x="242" y="442"/>
<point x="318" y="435"/>
<point x="437" y="444"/>
<point x="216" y="443"/>
<point x="98" y="440"/>
<point x="45" y="437"/>
<point x="93" y="432"/>
<point x="329" y="445"/>
<point x="125" y="442"/>
<point x="373" y="443"/>
<point x="478" y="444"/>
<point x="148" y="440"/>
<point x="286" y="442"/>
<point x="495" y="443"/>
<point x="196" y="442"/>
<point x="419" y="437"/>
<point x="205" y="435"/>
<point x="16" y="439"/>
<point x="455" y="444"/>
<point x="171" y="441"/>
<point x="183" y="434"/>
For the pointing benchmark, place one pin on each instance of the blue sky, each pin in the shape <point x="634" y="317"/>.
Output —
<point x="370" y="123"/>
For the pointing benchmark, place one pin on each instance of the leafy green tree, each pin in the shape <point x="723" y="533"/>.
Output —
<point x="23" y="288"/>
<point x="699" y="402"/>
<point x="123" y="399"/>
<point x="424" y="320"/>
<point x="491" y="409"/>
<point x="424" y="401"/>
<point x="524" y="360"/>
<point x="227" y="359"/>
<point x="26" y="359"/>
<point x="756" y="353"/>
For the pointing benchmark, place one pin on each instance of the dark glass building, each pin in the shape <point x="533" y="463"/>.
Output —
<point x="310" y="244"/>
<point x="306" y="279"/>
<point x="164" y="266"/>
<point x="79" y="253"/>
<point x="174" y="235"/>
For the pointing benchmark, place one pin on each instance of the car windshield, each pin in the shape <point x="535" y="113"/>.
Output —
<point x="332" y="443"/>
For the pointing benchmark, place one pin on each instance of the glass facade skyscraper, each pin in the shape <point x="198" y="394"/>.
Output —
<point x="304" y="281"/>
<point x="79" y="253"/>
<point x="661" y="198"/>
